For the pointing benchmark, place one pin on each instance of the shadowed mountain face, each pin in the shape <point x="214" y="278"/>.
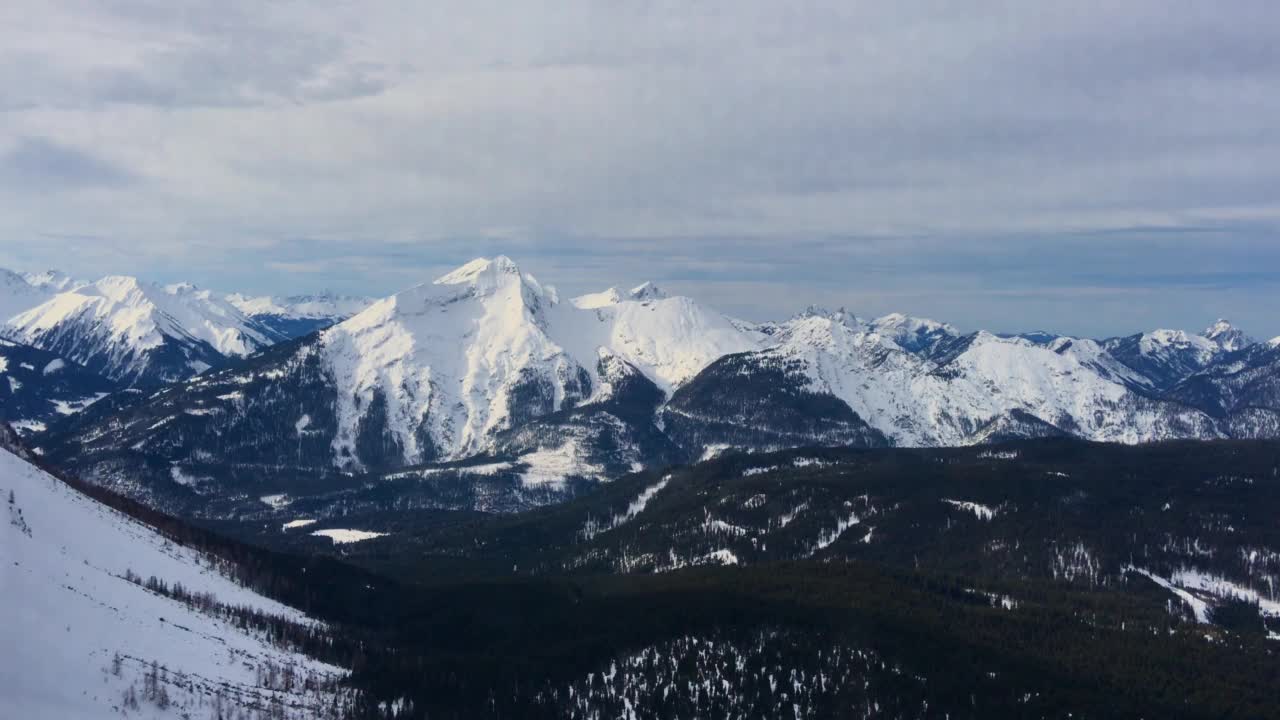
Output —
<point x="38" y="388"/>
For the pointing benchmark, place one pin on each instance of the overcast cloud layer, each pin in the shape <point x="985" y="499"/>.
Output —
<point x="1093" y="167"/>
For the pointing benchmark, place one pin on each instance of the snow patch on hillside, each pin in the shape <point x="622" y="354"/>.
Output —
<point x="1199" y="607"/>
<point x="342" y="536"/>
<point x="982" y="512"/>
<point x="828" y="537"/>
<point x="637" y="506"/>
<point x="553" y="466"/>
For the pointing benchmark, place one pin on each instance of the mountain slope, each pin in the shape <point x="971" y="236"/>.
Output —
<point x="1162" y="358"/>
<point x="435" y="370"/>
<point x="140" y="333"/>
<point x="1242" y="391"/>
<point x="38" y="387"/>
<point x="1228" y="337"/>
<point x="669" y="339"/>
<point x="86" y="636"/>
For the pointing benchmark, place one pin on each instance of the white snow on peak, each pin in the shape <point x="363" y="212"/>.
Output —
<point x="591" y="301"/>
<point x="448" y="359"/>
<point x="134" y="315"/>
<point x="669" y="339"/>
<point x="480" y="270"/>
<point x="840" y="315"/>
<point x="646" y="291"/>
<point x="914" y="325"/>
<point x="913" y="334"/>
<point x="916" y="401"/>
<point x="52" y="280"/>
<point x="613" y="296"/>
<point x="1226" y="336"/>
<point x="1157" y="341"/>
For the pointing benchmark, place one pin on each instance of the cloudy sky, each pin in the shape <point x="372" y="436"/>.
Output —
<point x="1091" y="167"/>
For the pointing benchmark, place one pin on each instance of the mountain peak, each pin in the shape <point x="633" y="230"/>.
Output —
<point x="840" y="315"/>
<point x="602" y="299"/>
<point x="52" y="280"/>
<point x="613" y="296"/>
<point x="1227" y="336"/>
<point x="117" y="288"/>
<point x="479" y="268"/>
<point x="646" y="291"/>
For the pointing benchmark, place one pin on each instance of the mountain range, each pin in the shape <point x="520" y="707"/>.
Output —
<point x="487" y="367"/>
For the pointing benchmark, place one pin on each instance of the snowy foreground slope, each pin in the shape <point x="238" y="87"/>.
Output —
<point x="82" y="641"/>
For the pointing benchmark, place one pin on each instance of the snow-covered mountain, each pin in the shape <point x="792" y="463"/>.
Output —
<point x="140" y="333"/>
<point x="54" y="281"/>
<point x="1242" y="391"/>
<point x="298" y="315"/>
<point x="18" y="294"/>
<point x="485" y="361"/>
<point x="1163" y="357"/>
<point x="956" y="390"/>
<point x="1228" y="337"/>
<point x="669" y="339"/>
<point x="94" y="625"/>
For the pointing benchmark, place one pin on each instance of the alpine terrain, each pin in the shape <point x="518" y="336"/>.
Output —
<point x="485" y="389"/>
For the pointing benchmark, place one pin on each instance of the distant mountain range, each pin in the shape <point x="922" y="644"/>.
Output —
<point x="486" y="366"/>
